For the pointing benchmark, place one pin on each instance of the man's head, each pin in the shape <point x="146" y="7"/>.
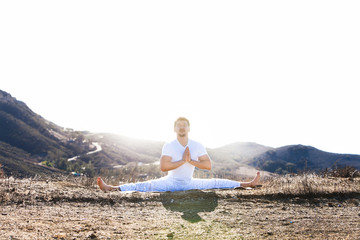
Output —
<point x="182" y="119"/>
<point x="182" y="127"/>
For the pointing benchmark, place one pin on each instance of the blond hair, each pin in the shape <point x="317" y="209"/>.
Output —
<point x="182" y="119"/>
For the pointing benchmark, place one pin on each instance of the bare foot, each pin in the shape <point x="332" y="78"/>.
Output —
<point x="256" y="180"/>
<point x="104" y="187"/>
<point x="252" y="183"/>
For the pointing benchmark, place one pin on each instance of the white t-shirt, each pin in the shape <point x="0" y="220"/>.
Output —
<point x="176" y="151"/>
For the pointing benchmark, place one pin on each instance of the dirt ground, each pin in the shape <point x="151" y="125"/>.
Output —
<point x="67" y="210"/>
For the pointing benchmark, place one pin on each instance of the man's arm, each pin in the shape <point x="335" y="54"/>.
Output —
<point x="203" y="163"/>
<point x="166" y="164"/>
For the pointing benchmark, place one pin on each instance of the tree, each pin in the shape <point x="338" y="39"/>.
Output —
<point x="89" y="170"/>
<point x="1" y="171"/>
<point x="62" y="164"/>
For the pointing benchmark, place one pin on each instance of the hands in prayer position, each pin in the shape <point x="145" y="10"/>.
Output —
<point x="187" y="156"/>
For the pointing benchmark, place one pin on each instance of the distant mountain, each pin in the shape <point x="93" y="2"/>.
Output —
<point x="26" y="137"/>
<point x="293" y="158"/>
<point x="246" y="155"/>
<point x="236" y="154"/>
<point x="119" y="150"/>
<point x="30" y="145"/>
<point x="22" y="128"/>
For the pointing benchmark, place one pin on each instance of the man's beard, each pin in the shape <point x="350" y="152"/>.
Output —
<point x="181" y="134"/>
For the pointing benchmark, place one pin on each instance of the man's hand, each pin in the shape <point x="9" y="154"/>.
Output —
<point x="203" y="162"/>
<point x="186" y="155"/>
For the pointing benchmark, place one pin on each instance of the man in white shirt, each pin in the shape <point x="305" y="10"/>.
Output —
<point x="179" y="158"/>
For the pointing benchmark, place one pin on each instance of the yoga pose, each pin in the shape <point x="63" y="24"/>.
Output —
<point x="179" y="158"/>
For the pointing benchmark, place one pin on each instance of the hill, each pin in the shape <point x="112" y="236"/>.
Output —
<point x="118" y="150"/>
<point x="236" y="154"/>
<point x="232" y="159"/>
<point x="16" y="162"/>
<point x="20" y="127"/>
<point x="31" y="145"/>
<point x="26" y="139"/>
<point x="293" y="158"/>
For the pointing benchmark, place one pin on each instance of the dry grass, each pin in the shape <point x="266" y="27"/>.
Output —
<point x="305" y="185"/>
<point x="285" y="207"/>
<point x="310" y="185"/>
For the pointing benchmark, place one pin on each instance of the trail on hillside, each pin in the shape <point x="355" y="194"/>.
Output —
<point x="98" y="149"/>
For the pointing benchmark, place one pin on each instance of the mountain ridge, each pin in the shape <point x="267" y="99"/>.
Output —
<point x="26" y="137"/>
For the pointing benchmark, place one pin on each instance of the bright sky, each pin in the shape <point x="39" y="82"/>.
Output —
<point x="271" y="72"/>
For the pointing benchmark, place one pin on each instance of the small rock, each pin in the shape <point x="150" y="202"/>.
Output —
<point x="270" y="233"/>
<point x="92" y="236"/>
<point x="60" y="236"/>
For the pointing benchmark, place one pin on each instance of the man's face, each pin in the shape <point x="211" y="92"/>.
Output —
<point x="182" y="128"/>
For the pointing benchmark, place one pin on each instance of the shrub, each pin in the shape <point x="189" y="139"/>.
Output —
<point x="2" y="174"/>
<point x="342" y="172"/>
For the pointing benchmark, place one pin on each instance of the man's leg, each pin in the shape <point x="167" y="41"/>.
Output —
<point x="202" y="184"/>
<point x="157" y="185"/>
<point x="213" y="183"/>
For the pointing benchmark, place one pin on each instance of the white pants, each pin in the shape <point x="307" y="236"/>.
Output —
<point x="165" y="184"/>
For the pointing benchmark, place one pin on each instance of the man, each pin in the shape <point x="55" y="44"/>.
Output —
<point x="179" y="158"/>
